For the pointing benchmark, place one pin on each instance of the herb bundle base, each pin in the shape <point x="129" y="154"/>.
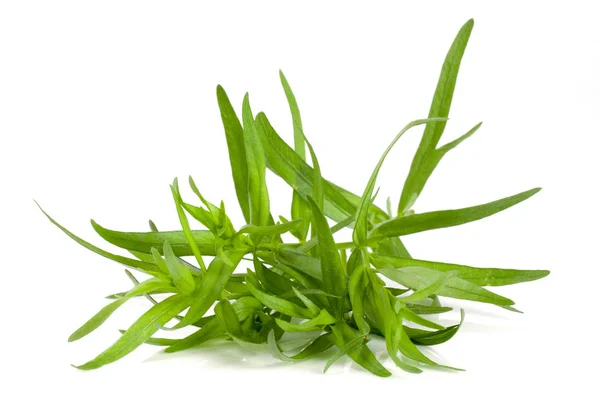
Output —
<point x="332" y="292"/>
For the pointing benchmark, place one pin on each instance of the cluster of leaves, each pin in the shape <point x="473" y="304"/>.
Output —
<point x="332" y="291"/>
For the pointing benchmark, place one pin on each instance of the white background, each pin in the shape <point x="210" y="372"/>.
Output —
<point x="102" y="104"/>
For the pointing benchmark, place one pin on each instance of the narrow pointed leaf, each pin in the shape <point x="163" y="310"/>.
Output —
<point x="186" y="226"/>
<point x="363" y="356"/>
<point x="440" y="107"/>
<point x="213" y="282"/>
<point x="257" y="185"/>
<point x="478" y="276"/>
<point x="334" y="277"/>
<point x="234" y="133"/>
<point x="144" y="241"/>
<point x="316" y="347"/>
<point x="442" y="219"/>
<point x="362" y="214"/>
<point x="351" y="346"/>
<point x="140" y="331"/>
<point x="135" y="264"/>
<point x="429" y="338"/>
<point x="181" y="275"/>
<point x="315" y="324"/>
<point x="98" y="319"/>
<point x="211" y="330"/>
<point x="278" y="304"/>
<point x="417" y="278"/>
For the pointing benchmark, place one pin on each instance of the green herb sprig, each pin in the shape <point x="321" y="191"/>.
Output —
<point x="331" y="291"/>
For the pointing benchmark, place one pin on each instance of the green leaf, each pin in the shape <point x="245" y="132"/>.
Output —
<point x="135" y="264"/>
<point x="423" y="309"/>
<point x="213" y="281"/>
<point x="300" y="209"/>
<point x="296" y="120"/>
<point x="312" y="307"/>
<point x="186" y="226"/>
<point x="272" y="281"/>
<point x="157" y="341"/>
<point x="228" y="318"/>
<point x="418" y="278"/>
<point x="287" y="164"/>
<point x="317" y="346"/>
<point x="352" y="345"/>
<point x="144" y="241"/>
<point x="442" y="219"/>
<point x="411" y="351"/>
<point x="478" y="276"/>
<point x="377" y="304"/>
<point x="393" y="340"/>
<point x="411" y="316"/>
<point x="246" y="306"/>
<point x="315" y="324"/>
<point x="334" y="277"/>
<point x="152" y="285"/>
<point x="274" y="348"/>
<point x="363" y="356"/>
<point x="428" y="338"/>
<point x="362" y="214"/>
<point x="432" y="160"/>
<point x="300" y="261"/>
<point x="140" y="331"/>
<point x="182" y="277"/>
<point x="211" y="330"/>
<point x="431" y="289"/>
<point x="257" y="185"/>
<point x="98" y="319"/>
<point x="234" y="133"/>
<point x="277" y="304"/>
<point x="440" y="107"/>
<point x="357" y="286"/>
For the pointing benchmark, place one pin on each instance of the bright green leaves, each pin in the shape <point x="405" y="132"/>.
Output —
<point x="234" y="133"/>
<point x="322" y="319"/>
<point x="97" y="319"/>
<point x="141" y="330"/>
<point x="286" y="163"/>
<point x="443" y="219"/>
<point x="296" y="120"/>
<point x="181" y="275"/>
<point x="334" y="277"/>
<point x="349" y="342"/>
<point x="306" y="288"/>
<point x="357" y="287"/>
<point x="186" y="226"/>
<point x="257" y="185"/>
<point x="478" y="276"/>
<point x="213" y="282"/>
<point x="422" y="165"/>
<point x="135" y="264"/>
<point x="351" y="346"/>
<point x="300" y="209"/>
<point x="418" y="278"/>
<point x="278" y="304"/>
<point x="144" y="241"/>
<point x="361" y="225"/>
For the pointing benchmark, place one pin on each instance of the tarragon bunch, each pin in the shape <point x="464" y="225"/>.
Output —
<point x="331" y="291"/>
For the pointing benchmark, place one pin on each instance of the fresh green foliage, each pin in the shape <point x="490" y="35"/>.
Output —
<point x="306" y="286"/>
